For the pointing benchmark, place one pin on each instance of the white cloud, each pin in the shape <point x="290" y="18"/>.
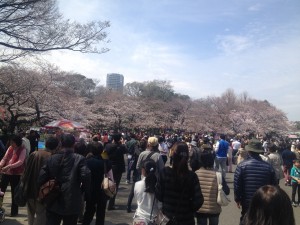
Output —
<point x="231" y="44"/>
<point x="259" y="56"/>
<point x="256" y="7"/>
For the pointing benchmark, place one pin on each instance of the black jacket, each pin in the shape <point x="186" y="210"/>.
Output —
<point x="96" y="166"/>
<point x="72" y="173"/>
<point x="115" y="154"/>
<point x="180" y="197"/>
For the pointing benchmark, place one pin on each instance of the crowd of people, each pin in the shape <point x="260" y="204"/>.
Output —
<point x="172" y="177"/>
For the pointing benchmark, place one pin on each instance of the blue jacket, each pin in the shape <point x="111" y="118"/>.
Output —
<point x="222" y="149"/>
<point x="249" y="176"/>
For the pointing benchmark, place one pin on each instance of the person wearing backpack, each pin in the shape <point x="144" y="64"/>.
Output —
<point x="131" y="146"/>
<point x="194" y="156"/>
<point x="152" y="153"/>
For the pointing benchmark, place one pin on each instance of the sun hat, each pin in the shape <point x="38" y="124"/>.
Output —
<point x="254" y="145"/>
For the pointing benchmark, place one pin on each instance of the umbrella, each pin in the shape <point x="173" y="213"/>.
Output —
<point x="293" y="136"/>
<point x="65" y="124"/>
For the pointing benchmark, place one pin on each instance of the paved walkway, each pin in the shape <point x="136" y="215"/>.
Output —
<point x="229" y="216"/>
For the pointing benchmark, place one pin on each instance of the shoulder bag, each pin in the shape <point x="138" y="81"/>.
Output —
<point x="108" y="185"/>
<point x="50" y="190"/>
<point x="222" y="198"/>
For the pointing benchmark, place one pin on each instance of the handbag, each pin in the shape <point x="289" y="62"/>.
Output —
<point x="108" y="185"/>
<point x="20" y="197"/>
<point x="142" y="221"/>
<point x="50" y="190"/>
<point x="161" y="218"/>
<point x="222" y="198"/>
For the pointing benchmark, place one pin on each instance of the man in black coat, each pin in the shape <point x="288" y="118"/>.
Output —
<point x="115" y="152"/>
<point x="72" y="174"/>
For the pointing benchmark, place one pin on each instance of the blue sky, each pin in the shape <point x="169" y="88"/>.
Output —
<point x="203" y="47"/>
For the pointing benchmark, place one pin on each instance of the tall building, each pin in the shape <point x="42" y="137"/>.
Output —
<point x="115" y="81"/>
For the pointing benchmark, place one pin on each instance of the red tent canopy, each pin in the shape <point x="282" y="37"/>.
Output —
<point x="65" y="124"/>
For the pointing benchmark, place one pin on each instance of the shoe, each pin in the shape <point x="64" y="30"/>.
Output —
<point x="111" y="208"/>
<point x="128" y="209"/>
<point x="2" y="214"/>
<point x="127" y="181"/>
<point x="294" y="204"/>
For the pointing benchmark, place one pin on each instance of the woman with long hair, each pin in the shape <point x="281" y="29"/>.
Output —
<point x="144" y="192"/>
<point x="97" y="201"/>
<point x="270" y="205"/>
<point x="178" y="189"/>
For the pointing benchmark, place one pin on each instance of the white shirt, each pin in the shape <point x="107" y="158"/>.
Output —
<point x="163" y="148"/>
<point x="236" y="145"/>
<point x="26" y="144"/>
<point x="144" y="201"/>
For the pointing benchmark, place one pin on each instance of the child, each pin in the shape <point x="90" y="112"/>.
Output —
<point x="295" y="175"/>
<point x="147" y="206"/>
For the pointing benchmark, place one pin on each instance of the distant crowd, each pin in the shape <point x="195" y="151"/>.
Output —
<point x="174" y="178"/>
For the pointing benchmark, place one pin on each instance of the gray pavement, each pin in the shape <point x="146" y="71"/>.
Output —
<point x="229" y="216"/>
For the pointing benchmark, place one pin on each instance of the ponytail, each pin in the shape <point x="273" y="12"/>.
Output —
<point x="150" y="181"/>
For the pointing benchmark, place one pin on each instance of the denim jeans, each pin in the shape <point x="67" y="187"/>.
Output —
<point x="203" y="218"/>
<point x="221" y="162"/>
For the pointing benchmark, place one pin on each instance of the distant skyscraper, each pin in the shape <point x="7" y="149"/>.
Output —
<point x="115" y="81"/>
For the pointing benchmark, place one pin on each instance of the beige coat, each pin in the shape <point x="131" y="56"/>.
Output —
<point x="209" y="188"/>
<point x="242" y="155"/>
<point x="276" y="162"/>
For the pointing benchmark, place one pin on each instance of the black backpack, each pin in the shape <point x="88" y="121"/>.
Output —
<point x="195" y="160"/>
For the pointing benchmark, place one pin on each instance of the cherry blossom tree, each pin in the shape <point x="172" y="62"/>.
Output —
<point x="30" y="27"/>
<point x="37" y="96"/>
